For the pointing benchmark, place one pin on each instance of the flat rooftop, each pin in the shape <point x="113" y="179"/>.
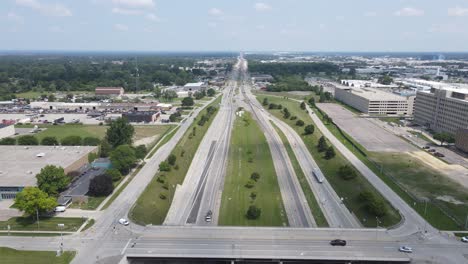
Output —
<point x="20" y="164"/>
<point x="373" y="94"/>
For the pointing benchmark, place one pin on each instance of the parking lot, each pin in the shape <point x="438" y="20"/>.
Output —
<point x="365" y="132"/>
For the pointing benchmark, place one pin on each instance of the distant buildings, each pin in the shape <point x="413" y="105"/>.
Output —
<point x="6" y="131"/>
<point x="109" y="91"/>
<point x="443" y="108"/>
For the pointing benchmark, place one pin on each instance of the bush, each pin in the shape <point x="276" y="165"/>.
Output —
<point x="322" y="144"/>
<point x="347" y="172"/>
<point x="161" y="179"/>
<point x="49" y="141"/>
<point x="114" y="174"/>
<point x="253" y="212"/>
<point x="91" y="141"/>
<point x="330" y="153"/>
<point x="309" y="129"/>
<point x="250" y="184"/>
<point x="8" y="141"/>
<point x="162" y="196"/>
<point x="253" y="195"/>
<point x="72" y="141"/>
<point x="299" y="123"/>
<point x="172" y="159"/>
<point x="28" y="140"/>
<point x="101" y="185"/>
<point x="140" y="152"/>
<point x="164" y="166"/>
<point x="92" y="156"/>
<point x="293" y="118"/>
<point x="255" y="176"/>
<point x="373" y="204"/>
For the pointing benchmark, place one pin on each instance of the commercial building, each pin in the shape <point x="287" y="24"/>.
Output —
<point x="64" y="106"/>
<point x="194" y="86"/>
<point x="6" y="131"/>
<point x="109" y="91"/>
<point x="461" y="139"/>
<point x="443" y="109"/>
<point x="367" y="84"/>
<point x="139" y="117"/>
<point x="20" y="164"/>
<point x="374" y="101"/>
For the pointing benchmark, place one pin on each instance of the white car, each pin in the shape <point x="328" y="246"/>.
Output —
<point x="464" y="239"/>
<point x="405" y="249"/>
<point x="60" y="209"/>
<point x="124" y="222"/>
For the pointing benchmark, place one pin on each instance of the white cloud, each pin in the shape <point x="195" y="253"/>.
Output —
<point x="262" y="7"/>
<point x="370" y="14"/>
<point x="152" y="17"/>
<point x="46" y="9"/>
<point x="121" y="27"/>
<point x="215" y="12"/>
<point x="260" y="27"/>
<point x="135" y="3"/>
<point x="457" y="11"/>
<point x="55" y="29"/>
<point x="14" y="17"/>
<point x="125" y="11"/>
<point x="409" y="12"/>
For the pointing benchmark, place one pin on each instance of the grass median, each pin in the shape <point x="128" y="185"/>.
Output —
<point x="153" y="204"/>
<point x="349" y="190"/>
<point x="13" y="256"/>
<point x="249" y="152"/>
<point x="45" y="224"/>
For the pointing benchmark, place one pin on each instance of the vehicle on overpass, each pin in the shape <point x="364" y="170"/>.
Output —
<point x="338" y="242"/>
<point x="405" y="249"/>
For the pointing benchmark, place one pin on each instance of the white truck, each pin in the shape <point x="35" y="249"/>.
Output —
<point x="318" y="175"/>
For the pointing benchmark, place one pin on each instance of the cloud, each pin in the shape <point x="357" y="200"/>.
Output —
<point x="152" y="17"/>
<point x="262" y="7"/>
<point x="135" y="3"/>
<point x="409" y="12"/>
<point x="55" y="29"/>
<point x="14" y="17"/>
<point x="121" y="27"/>
<point x="46" y="9"/>
<point x="457" y="11"/>
<point x="125" y="11"/>
<point x="370" y="14"/>
<point x="215" y="12"/>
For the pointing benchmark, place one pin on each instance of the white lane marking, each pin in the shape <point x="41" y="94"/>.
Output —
<point x="126" y="245"/>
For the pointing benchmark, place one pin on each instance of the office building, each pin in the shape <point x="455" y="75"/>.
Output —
<point x="461" y="139"/>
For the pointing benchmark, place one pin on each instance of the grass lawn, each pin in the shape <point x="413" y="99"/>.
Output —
<point x="31" y="234"/>
<point x="150" y="208"/>
<point x="248" y="143"/>
<point x="282" y="94"/>
<point x="13" y="256"/>
<point x="349" y="190"/>
<point x="92" y="204"/>
<point x="421" y="136"/>
<point x="88" y="225"/>
<point x="168" y="137"/>
<point x="45" y="224"/>
<point x="311" y="200"/>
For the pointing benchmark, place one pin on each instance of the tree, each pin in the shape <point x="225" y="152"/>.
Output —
<point x="309" y="129"/>
<point x="303" y="106"/>
<point x="114" y="174"/>
<point x="444" y="137"/>
<point x="72" y="141"/>
<point x="188" y="101"/>
<point x="105" y="149"/>
<point x="157" y="92"/>
<point x="347" y="172"/>
<point x="101" y="185"/>
<point x="92" y="156"/>
<point x="52" y="180"/>
<point x="265" y="101"/>
<point x="386" y="80"/>
<point x="253" y="212"/>
<point x="8" y="141"/>
<point x="330" y="153"/>
<point x="299" y="123"/>
<point x="322" y="144"/>
<point x="255" y="176"/>
<point x="28" y="140"/>
<point x="375" y="205"/>
<point x="172" y="159"/>
<point x="123" y="158"/>
<point x="51" y="98"/>
<point x="164" y="166"/>
<point x="49" y="141"/>
<point x="312" y="101"/>
<point x="140" y="152"/>
<point x="120" y="132"/>
<point x="322" y="98"/>
<point x="91" y="141"/>
<point x="33" y="201"/>
<point x="286" y="113"/>
<point x="211" y="92"/>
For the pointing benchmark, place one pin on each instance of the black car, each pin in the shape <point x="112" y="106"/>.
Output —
<point x="338" y="242"/>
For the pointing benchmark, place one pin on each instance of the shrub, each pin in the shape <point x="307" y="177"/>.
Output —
<point x="347" y="172"/>
<point x="164" y="166"/>
<point x="250" y="184"/>
<point x="28" y="140"/>
<point x="309" y="129"/>
<point x="253" y="195"/>
<point x="8" y="141"/>
<point x="330" y="153"/>
<point x="293" y="118"/>
<point x="114" y="174"/>
<point x="253" y="212"/>
<point x="255" y="176"/>
<point x="172" y="159"/>
<point x="373" y="204"/>
<point x="91" y="141"/>
<point x="162" y="196"/>
<point x="101" y="185"/>
<point x="140" y="152"/>
<point x="49" y="141"/>
<point x="72" y="141"/>
<point x="299" y="123"/>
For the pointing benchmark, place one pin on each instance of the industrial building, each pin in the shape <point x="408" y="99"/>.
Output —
<point x="195" y="86"/>
<point x="367" y="84"/>
<point x="374" y="101"/>
<point x="64" y="106"/>
<point x="20" y="164"/>
<point x="461" y="139"/>
<point x="139" y="117"/>
<point x="109" y="91"/>
<point x="443" y="109"/>
<point x="6" y="131"/>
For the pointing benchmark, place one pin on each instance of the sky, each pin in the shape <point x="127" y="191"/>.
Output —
<point x="234" y="25"/>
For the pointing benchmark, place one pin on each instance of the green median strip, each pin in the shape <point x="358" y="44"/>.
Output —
<point x="249" y="153"/>
<point x="153" y="204"/>
<point x="13" y="256"/>
<point x="163" y="140"/>
<point x="45" y="224"/>
<point x="312" y="202"/>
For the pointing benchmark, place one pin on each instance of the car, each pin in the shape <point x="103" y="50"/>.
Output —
<point x="208" y="216"/>
<point x="124" y="222"/>
<point x="59" y="209"/>
<point x="431" y="150"/>
<point x="405" y="249"/>
<point x="426" y="147"/>
<point x="438" y="154"/>
<point x="338" y="242"/>
<point x="464" y="239"/>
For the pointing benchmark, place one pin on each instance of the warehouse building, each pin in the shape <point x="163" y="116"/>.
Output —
<point x="64" y="106"/>
<point x="461" y="139"/>
<point x="141" y="117"/>
<point x="20" y="164"/>
<point x="194" y="86"/>
<point x="374" y="101"/>
<point x="442" y="109"/>
<point x="6" y="130"/>
<point x="109" y="91"/>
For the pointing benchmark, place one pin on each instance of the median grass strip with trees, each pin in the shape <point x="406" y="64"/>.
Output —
<point x="153" y="204"/>
<point x="251" y="194"/>
<point x="45" y="224"/>
<point x="400" y="171"/>
<point x="311" y="201"/>
<point x="13" y="256"/>
<point x="359" y="196"/>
